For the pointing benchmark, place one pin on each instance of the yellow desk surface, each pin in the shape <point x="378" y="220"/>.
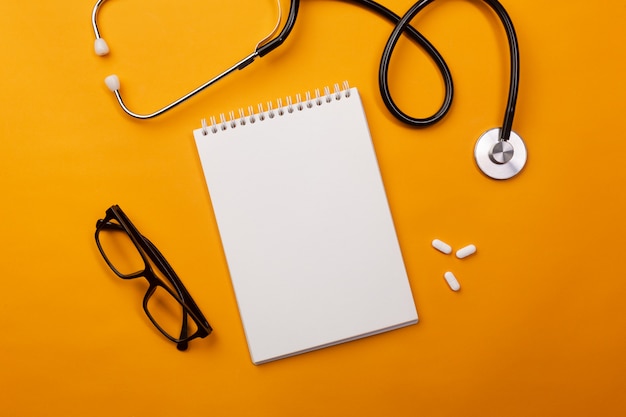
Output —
<point x="539" y="326"/>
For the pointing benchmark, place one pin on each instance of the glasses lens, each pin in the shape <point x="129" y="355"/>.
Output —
<point x="169" y="314"/>
<point x="120" y="251"/>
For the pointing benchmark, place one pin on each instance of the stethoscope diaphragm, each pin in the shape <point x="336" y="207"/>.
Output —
<point x="497" y="158"/>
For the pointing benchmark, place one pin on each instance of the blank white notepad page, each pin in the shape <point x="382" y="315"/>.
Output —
<point x="306" y="227"/>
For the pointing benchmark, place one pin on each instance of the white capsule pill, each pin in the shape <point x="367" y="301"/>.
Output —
<point x="465" y="251"/>
<point x="452" y="281"/>
<point x="442" y="246"/>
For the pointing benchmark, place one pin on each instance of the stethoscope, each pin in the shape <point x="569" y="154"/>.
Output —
<point x="500" y="153"/>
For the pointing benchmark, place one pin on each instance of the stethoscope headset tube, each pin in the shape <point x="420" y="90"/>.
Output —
<point x="263" y="49"/>
<point x="500" y="153"/>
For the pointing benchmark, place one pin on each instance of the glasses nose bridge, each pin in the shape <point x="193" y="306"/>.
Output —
<point x="151" y="289"/>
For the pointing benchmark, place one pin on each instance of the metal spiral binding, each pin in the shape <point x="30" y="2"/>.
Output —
<point x="231" y="122"/>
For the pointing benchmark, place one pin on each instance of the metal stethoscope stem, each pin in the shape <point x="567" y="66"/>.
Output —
<point x="113" y="83"/>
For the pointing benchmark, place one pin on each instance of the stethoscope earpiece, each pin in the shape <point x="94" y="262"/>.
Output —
<point x="100" y="46"/>
<point x="112" y="82"/>
<point x="497" y="158"/>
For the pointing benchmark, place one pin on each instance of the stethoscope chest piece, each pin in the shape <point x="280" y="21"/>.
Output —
<point x="500" y="159"/>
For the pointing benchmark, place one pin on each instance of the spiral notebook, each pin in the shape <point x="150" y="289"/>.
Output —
<point x="305" y="224"/>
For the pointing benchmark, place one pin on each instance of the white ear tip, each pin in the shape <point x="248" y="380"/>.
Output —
<point x="112" y="82"/>
<point x="101" y="47"/>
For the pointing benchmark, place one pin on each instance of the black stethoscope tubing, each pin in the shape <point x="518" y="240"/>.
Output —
<point x="403" y="24"/>
<point x="403" y="27"/>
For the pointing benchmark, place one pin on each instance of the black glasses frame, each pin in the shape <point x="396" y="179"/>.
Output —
<point x="149" y="253"/>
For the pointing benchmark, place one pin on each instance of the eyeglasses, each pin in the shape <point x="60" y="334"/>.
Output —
<point x="167" y="303"/>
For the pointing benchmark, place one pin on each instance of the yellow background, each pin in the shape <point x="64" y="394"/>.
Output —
<point x="539" y="326"/>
